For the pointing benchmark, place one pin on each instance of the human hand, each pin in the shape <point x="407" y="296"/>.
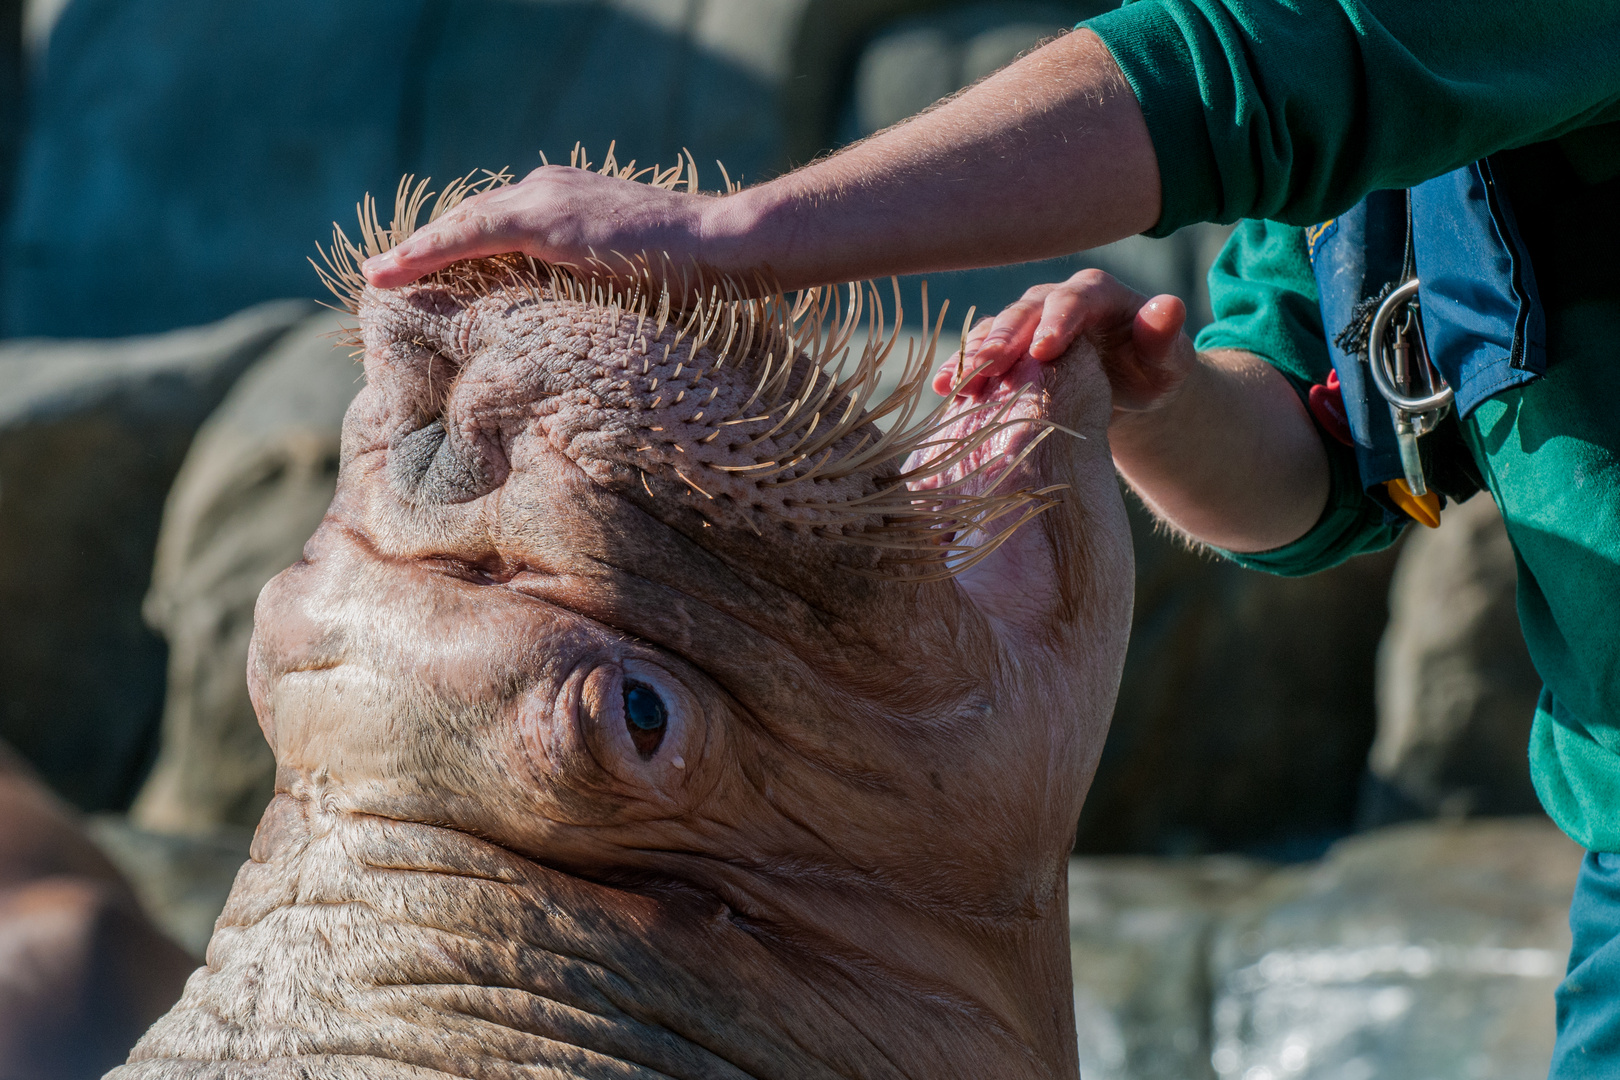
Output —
<point x="1140" y="340"/>
<point x="568" y="216"/>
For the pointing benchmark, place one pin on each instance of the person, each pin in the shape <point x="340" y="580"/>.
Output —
<point x="1291" y="120"/>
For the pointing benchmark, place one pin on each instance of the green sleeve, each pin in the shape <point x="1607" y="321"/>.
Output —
<point x="1294" y="111"/>
<point x="1263" y="294"/>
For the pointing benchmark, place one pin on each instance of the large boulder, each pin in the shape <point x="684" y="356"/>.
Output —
<point x="1456" y="686"/>
<point x="1420" y="952"/>
<point x="253" y="488"/>
<point x="91" y="436"/>
<point x="180" y="879"/>
<point x="166" y="139"/>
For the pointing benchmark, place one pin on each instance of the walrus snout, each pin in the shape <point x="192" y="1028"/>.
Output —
<point x="467" y="703"/>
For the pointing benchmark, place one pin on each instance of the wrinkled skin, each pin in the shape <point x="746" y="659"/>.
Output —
<point x="842" y="856"/>
<point x="82" y="970"/>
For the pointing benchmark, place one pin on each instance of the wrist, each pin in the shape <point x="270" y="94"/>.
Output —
<point x="735" y="232"/>
<point x="1146" y="428"/>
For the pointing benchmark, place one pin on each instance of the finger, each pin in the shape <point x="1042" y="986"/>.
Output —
<point x="948" y="375"/>
<point x="1063" y="318"/>
<point x="951" y="373"/>
<point x="476" y="228"/>
<point x="1010" y="334"/>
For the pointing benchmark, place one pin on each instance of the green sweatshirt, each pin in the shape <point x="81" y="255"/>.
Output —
<point x="1259" y="111"/>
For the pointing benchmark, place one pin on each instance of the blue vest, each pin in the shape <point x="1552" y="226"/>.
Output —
<point x="1481" y="313"/>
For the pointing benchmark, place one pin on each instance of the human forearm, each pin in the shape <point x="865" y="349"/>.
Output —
<point x="1233" y="461"/>
<point x="1046" y="157"/>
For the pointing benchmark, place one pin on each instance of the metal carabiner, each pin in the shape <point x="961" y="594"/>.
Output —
<point x="1414" y="415"/>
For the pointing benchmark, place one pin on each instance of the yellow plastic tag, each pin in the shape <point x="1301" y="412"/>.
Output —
<point x="1424" y="510"/>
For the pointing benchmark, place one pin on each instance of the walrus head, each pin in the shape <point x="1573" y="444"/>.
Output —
<point x="642" y="709"/>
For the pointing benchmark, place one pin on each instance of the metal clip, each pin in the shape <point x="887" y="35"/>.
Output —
<point x="1395" y="372"/>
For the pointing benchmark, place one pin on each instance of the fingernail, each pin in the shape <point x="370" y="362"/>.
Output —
<point x="376" y="263"/>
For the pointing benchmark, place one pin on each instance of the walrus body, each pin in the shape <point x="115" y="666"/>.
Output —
<point x="631" y="724"/>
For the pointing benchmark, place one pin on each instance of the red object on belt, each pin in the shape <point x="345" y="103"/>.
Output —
<point x="1327" y="405"/>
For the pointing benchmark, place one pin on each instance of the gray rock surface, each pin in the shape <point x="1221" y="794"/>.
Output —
<point x="913" y="62"/>
<point x="181" y="881"/>
<point x="91" y="435"/>
<point x="1420" y="952"/>
<point x="163" y="140"/>
<point x="254" y="486"/>
<point x="167" y="140"/>
<point x="1456" y="687"/>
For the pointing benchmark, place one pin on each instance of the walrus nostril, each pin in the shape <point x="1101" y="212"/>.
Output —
<point x="412" y="455"/>
<point x="645" y="717"/>
<point x="427" y="466"/>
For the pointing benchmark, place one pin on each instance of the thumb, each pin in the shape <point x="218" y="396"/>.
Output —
<point x="1157" y="326"/>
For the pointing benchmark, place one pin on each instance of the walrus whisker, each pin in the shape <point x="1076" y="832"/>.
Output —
<point x="811" y="400"/>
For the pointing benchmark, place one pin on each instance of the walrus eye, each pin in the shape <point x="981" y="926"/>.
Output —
<point x="645" y="717"/>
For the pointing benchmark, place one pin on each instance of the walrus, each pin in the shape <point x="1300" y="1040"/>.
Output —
<point x="643" y="707"/>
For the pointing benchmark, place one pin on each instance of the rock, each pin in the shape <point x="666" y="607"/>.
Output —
<point x="1420" y="952"/>
<point x="91" y="435"/>
<point x="1139" y="932"/>
<point x="165" y="140"/>
<point x="1456" y="687"/>
<point x="38" y="20"/>
<point x="1246" y="709"/>
<point x="254" y="486"/>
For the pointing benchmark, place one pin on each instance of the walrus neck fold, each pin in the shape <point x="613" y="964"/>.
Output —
<point x="381" y="948"/>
